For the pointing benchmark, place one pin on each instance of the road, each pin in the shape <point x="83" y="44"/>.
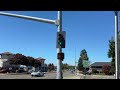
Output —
<point x="51" y="75"/>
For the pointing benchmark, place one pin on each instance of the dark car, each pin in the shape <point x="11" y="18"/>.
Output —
<point x="4" y="71"/>
<point x="72" y="71"/>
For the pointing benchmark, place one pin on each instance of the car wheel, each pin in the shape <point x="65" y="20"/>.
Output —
<point x="32" y="75"/>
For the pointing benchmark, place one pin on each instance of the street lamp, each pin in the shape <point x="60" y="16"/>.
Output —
<point x="116" y="47"/>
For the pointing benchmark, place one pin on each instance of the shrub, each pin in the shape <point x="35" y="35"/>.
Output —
<point x="94" y="71"/>
<point x="106" y="69"/>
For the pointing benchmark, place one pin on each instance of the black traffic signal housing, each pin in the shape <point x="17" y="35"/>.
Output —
<point x="60" y="56"/>
<point x="61" y="39"/>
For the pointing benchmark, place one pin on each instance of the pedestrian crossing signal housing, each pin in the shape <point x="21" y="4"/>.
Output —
<point x="60" y="56"/>
<point x="61" y="39"/>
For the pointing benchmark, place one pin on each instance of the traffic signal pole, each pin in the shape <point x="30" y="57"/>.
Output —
<point x="116" y="47"/>
<point x="59" y="50"/>
<point x="30" y="18"/>
<point x="56" y="22"/>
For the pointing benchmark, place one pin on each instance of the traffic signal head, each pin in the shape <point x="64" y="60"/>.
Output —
<point x="61" y="39"/>
<point x="60" y="56"/>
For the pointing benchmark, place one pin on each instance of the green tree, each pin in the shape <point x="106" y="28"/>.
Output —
<point x="83" y="56"/>
<point x="31" y="61"/>
<point x="52" y="66"/>
<point x="49" y="67"/>
<point x="18" y="59"/>
<point x="71" y="67"/>
<point x="37" y="63"/>
<point x="65" y="66"/>
<point x="111" y="54"/>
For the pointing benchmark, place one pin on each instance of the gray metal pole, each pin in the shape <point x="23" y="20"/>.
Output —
<point x="116" y="47"/>
<point x="75" y="62"/>
<point x="29" y="18"/>
<point x="59" y="50"/>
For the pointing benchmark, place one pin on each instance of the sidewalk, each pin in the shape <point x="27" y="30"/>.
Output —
<point x="75" y="76"/>
<point x="72" y="77"/>
<point x="81" y="76"/>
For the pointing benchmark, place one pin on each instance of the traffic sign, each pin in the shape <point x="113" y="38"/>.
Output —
<point x="85" y="63"/>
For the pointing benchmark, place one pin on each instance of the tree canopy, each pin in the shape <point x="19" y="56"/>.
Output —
<point x="31" y="61"/>
<point x="50" y="66"/>
<point x="111" y="52"/>
<point x="19" y="59"/>
<point x="83" y="56"/>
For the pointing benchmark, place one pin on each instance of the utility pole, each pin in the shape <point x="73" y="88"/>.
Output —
<point x="116" y="47"/>
<point x="59" y="50"/>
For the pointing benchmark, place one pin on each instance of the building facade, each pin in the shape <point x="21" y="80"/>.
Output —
<point x="43" y="66"/>
<point x="4" y="59"/>
<point x="98" y="66"/>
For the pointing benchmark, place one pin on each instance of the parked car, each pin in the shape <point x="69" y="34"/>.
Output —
<point x="37" y="73"/>
<point x="4" y="71"/>
<point x="20" y="70"/>
<point x="30" y="71"/>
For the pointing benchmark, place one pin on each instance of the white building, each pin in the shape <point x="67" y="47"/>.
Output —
<point x="4" y="63"/>
<point x="43" y="66"/>
<point x="4" y="59"/>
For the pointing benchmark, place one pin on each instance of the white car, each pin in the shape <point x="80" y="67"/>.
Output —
<point x="37" y="73"/>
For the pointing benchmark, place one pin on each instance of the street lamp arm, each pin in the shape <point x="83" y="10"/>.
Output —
<point x="30" y="18"/>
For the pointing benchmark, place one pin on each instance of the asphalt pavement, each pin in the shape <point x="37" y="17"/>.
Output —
<point x="49" y="75"/>
<point x="52" y="75"/>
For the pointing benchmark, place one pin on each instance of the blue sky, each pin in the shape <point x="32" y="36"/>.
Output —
<point x="90" y="30"/>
